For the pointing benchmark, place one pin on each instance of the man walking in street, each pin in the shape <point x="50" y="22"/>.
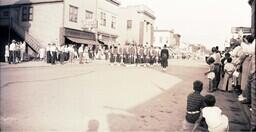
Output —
<point x="164" y="57"/>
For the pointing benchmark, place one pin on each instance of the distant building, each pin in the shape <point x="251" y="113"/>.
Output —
<point x="136" y="25"/>
<point x="164" y="37"/>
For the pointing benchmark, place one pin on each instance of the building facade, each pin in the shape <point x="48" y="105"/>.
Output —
<point x="107" y="18"/>
<point x="136" y="25"/>
<point x="164" y="37"/>
<point x="39" y="22"/>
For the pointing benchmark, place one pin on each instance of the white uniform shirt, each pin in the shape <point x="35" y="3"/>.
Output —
<point x="12" y="47"/>
<point x="80" y="50"/>
<point x="6" y="51"/>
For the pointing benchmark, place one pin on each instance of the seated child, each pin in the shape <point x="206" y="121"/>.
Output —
<point x="215" y="120"/>
<point x="229" y="68"/>
<point x="195" y="101"/>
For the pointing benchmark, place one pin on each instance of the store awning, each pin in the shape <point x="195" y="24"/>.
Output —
<point x="82" y="41"/>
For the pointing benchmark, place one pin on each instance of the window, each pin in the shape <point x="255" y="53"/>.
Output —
<point x="27" y="13"/>
<point x="103" y="20"/>
<point x="6" y="13"/>
<point x="113" y="23"/>
<point x="88" y="15"/>
<point x="73" y="13"/>
<point x="129" y="24"/>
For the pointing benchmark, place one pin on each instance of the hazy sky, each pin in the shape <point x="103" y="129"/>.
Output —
<point x="199" y="21"/>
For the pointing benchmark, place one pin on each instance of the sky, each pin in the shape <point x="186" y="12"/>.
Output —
<point x="207" y="22"/>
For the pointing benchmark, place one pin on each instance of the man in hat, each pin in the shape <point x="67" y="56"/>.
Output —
<point x="164" y="57"/>
<point x="12" y="52"/>
<point x="115" y="52"/>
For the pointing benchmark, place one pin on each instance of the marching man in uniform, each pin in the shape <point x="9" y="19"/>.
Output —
<point x="119" y="54"/>
<point x="145" y="55"/>
<point x="53" y="51"/>
<point x="132" y="54"/>
<point x="115" y="52"/>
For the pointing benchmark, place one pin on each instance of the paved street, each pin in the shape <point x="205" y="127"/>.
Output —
<point x="95" y="96"/>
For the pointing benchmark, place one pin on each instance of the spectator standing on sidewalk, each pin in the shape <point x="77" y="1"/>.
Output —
<point x="42" y="53"/>
<point x="71" y="53"/>
<point x="229" y="68"/>
<point x="217" y="67"/>
<point x="12" y="52"/>
<point x="210" y="74"/>
<point x="6" y="54"/>
<point x="22" y="50"/>
<point x="164" y="57"/>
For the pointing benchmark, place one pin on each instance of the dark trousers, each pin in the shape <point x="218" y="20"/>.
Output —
<point x="145" y="59"/>
<point x="13" y="57"/>
<point x="112" y="58"/>
<point x="216" y="80"/>
<point x="164" y="62"/>
<point x="132" y="59"/>
<point x="48" y="56"/>
<point x="53" y="57"/>
<point x="118" y="58"/>
<point x="62" y="57"/>
<point x="138" y="59"/>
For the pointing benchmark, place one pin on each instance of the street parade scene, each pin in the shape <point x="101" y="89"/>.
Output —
<point x="127" y="66"/>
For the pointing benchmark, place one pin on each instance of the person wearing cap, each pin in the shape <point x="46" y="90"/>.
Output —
<point x="132" y="54"/>
<point x="214" y="118"/>
<point x="12" y="52"/>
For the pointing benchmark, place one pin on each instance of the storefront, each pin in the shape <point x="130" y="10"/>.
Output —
<point x="78" y="37"/>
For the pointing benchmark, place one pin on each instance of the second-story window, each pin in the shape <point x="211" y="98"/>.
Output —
<point x="73" y="13"/>
<point x="27" y="13"/>
<point x="103" y="21"/>
<point x="113" y="23"/>
<point x="88" y="15"/>
<point x="129" y="24"/>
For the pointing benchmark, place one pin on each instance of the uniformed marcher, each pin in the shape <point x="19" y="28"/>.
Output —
<point x="132" y="54"/>
<point x="145" y="56"/>
<point x="80" y="52"/>
<point x="53" y="53"/>
<point x="115" y="52"/>
<point x="151" y="56"/>
<point x="48" y="53"/>
<point x="125" y="54"/>
<point x="119" y="54"/>
<point x="112" y="58"/>
<point x="12" y="52"/>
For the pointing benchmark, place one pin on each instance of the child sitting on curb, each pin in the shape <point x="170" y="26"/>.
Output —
<point x="215" y="120"/>
<point x="195" y="102"/>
